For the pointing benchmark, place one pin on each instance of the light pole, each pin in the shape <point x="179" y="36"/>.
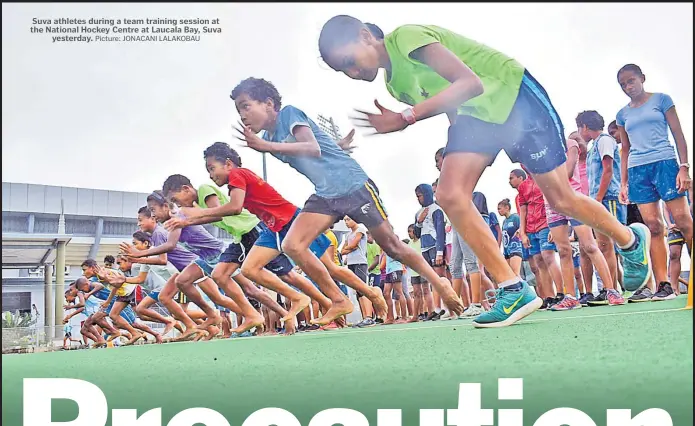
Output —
<point x="265" y="171"/>
<point x="329" y="126"/>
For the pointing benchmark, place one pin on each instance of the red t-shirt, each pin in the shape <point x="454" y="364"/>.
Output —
<point x="262" y="199"/>
<point x="531" y="196"/>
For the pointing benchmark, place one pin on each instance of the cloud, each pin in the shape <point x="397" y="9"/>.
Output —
<point x="125" y="116"/>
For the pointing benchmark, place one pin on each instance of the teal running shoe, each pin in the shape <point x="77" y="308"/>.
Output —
<point x="637" y="263"/>
<point x="511" y="306"/>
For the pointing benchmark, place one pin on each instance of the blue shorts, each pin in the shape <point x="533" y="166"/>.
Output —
<point x="539" y="242"/>
<point x="675" y="238"/>
<point x="207" y="265"/>
<point x="652" y="182"/>
<point x="513" y="248"/>
<point x="154" y="295"/>
<point x="575" y="261"/>
<point x="618" y="210"/>
<point x="566" y="221"/>
<point x="533" y="134"/>
<point x="375" y="281"/>
<point x="274" y="240"/>
<point x="236" y="253"/>
<point x="524" y="253"/>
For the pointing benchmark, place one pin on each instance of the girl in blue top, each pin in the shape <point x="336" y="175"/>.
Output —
<point x="511" y="244"/>
<point x="649" y="168"/>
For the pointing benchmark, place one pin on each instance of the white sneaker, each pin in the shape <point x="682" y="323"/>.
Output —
<point x="473" y="311"/>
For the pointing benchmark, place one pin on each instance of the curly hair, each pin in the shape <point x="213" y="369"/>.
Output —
<point x="259" y="90"/>
<point x="222" y="152"/>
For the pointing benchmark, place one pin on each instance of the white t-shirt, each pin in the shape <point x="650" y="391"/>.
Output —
<point x="157" y="275"/>
<point x="359" y="255"/>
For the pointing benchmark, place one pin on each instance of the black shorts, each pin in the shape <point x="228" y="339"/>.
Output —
<point x="68" y="335"/>
<point x="633" y="215"/>
<point x="362" y="274"/>
<point x="533" y="134"/>
<point x="430" y="256"/>
<point x="675" y="238"/>
<point x="129" y="299"/>
<point x="181" y="298"/>
<point x="417" y="280"/>
<point x="395" y="278"/>
<point x="236" y="253"/>
<point x="363" y="206"/>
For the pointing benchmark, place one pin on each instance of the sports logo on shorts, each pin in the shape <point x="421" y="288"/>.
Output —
<point x="365" y="208"/>
<point x="539" y="155"/>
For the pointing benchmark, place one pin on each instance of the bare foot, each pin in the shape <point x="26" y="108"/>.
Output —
<point x="298" y="306"/>
<point x="189" y="333"/>
<point x="213" y="331"/>
<point x="134" y="339"/>
<point x="158" y="339"/>
<point x="339" y="309"/>
<point x="389" y="321"/>
<point x="210" y="321"/>
<point x="414" y="319"/>
<point x="170" y="326"/>
<point x="249" y="323"/>
<point x="401" y="321"/>
<point x="113" y="336"/>
<point x="290" y="328"/>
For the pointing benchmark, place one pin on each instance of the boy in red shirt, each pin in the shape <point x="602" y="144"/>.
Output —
<point x="534" y="232"/>
<point x="247" y="190"/>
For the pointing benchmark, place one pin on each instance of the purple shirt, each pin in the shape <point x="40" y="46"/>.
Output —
<point x="198" y="240"/>
<point x="179" y="256"/>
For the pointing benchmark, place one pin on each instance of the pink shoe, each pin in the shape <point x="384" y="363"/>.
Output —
<point x="566" y="304"/>
<point x="615" y="298"/>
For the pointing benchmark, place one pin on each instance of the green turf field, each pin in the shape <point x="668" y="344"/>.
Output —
<point x="635" y="356"/>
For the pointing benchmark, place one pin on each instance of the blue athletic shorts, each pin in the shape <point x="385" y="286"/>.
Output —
<point x="533" y="134"/>
<point x="274" y="240"/>
<point x="236" y="253"/>
<point x="675" y="238"/>
<point x="514" y="248"/>
<point x="652" y="182"/>
<point x="207" y="265"/>
<point x="154" y="295"/>
<point x="539" y="242"/>
<point x="618" y="210"/>
<point x="525" y="253"/>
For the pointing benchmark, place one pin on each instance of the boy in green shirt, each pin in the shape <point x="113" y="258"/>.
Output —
<point x="493" y="104"/>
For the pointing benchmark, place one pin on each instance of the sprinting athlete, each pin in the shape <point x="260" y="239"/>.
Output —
<point x="207" y="249"/>
<point x="493" y="104"/>
<point x="244" y="229"/>
<point x="342" y="187"/>
<point x="152" y="278"/>
<point x="248" y="190"/>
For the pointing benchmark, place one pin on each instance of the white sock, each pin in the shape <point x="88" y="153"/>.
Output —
<point x="632" y="241"/>
<point x="507" y="283"/>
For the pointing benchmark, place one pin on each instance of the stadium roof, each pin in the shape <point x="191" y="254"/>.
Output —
<point x="21" y="251"/>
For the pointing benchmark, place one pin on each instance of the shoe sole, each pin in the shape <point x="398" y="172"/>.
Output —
<point x="520" y="314"/>
<point x="659" y="299"/>
<point x="649" y="259"/>
<point x="639" y="301"/>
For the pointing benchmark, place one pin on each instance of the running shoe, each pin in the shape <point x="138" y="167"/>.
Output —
<point x="434" y="316"/>
<point x="636" y="261"/>
<point x="601" y="299"/>
<point x="664" y="292"/>
<point x="367" y="322"/>
<point x="566" y="304"/>
<point x="586" y="298"/>
<point x="473" y="311"/>
<point x="615" y="298"/>
<point x="513" y="304"/>
<point x="641" y="295"/>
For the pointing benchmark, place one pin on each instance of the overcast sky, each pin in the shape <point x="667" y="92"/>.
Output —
<point x="125" y="116"/>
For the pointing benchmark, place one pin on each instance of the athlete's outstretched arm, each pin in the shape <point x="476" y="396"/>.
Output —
<point x="305" y="145"/>
<point x="211" y="201"/>
<point x="465" y="84"/>
<point x="232" y="208"/>
<point x="172" y="240"/>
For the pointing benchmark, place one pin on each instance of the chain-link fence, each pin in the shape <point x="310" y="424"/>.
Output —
<point x="31" y="339"/>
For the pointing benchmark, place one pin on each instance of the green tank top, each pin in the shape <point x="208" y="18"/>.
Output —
<point x="236" y="226"/>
